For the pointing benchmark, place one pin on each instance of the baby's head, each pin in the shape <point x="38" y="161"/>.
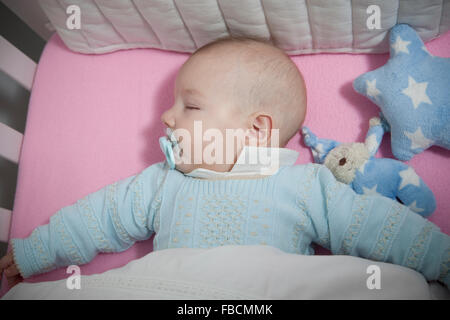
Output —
<point x="237" y="86"/>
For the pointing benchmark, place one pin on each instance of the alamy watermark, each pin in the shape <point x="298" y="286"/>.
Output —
<point x="374" y="20"/>
<point x="212" y="147"/>
<point x="74" y="280"/>
<point x="374" y="280"/>
<point x="73" y="20"/>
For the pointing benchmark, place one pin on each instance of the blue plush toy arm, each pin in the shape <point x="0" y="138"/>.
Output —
<point x="108" y="220"/>
<point x="319" y="147"/>
<point x="375" y="135"/>
<point x="376" y="228"/>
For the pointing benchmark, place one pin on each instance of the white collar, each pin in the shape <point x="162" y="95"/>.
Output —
<point x="252" y="161"/>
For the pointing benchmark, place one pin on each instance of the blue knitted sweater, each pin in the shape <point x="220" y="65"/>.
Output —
<point x="291" y="209"/>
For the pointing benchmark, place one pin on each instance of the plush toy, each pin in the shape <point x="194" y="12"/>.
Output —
<point x="412" y="90"/>
<point x="355" y="164"/>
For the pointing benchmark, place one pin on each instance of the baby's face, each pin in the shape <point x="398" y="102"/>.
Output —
<point x="203" y="100"/>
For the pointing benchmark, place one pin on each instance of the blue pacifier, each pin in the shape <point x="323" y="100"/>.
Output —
<point x="168" y="144"/>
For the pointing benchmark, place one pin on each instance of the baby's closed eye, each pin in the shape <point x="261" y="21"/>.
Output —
<point x="192" y="108"/>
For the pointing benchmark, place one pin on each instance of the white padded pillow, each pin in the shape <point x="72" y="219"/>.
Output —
<point x="296" y="26"/>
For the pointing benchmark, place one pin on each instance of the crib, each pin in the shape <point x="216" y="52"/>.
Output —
<point x="20" y="68"/>
<point x="125" y="44"/>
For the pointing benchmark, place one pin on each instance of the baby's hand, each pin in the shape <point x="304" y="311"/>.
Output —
<point x="8" y="265"/>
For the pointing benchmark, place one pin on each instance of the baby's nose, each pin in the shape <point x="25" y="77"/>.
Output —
<point x="168" y="120"/>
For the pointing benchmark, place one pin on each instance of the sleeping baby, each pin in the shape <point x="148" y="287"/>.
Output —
<point x="213" y="192"/>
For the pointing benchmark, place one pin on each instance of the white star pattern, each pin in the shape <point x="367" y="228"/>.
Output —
<point x="363" y="166"/>
<point x="425" y="49"/>
<point x="369" y="192"/>
<point x="400" y="46"/>
<point x="319" y="147"/>
<point x="372" y="90"/>
<point x="418" y="140"/>
<point x="417" y="92"/>
<point x="374" y="122"/>
<point x="319" y="151"/>
<point x="409" y="176"/>
<point x="413" y="207"/>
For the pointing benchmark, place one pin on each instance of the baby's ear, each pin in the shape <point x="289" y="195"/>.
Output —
<point x="261" y="128"/>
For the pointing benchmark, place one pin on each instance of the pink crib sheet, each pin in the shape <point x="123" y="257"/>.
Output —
<point x="95" y="119"/>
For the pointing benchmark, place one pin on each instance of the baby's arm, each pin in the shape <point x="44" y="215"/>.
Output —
<point x="376" y="228"/>
<point x="108" y="220"/>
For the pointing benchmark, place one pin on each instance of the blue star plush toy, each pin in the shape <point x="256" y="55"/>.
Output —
<point x="413" y="91"/>
<point x="355" y="164"/>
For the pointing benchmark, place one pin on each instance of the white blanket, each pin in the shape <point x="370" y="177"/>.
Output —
<point x="240" y="272"/>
